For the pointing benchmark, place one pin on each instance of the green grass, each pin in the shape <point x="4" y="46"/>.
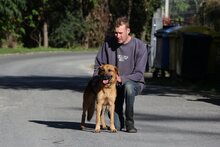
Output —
<point x="35" y="50"/>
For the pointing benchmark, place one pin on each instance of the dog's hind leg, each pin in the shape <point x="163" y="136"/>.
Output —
<point x="82" y="124"/>
<point x="85" y="111"/>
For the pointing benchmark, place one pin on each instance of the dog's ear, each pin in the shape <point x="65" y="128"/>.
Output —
<point x="100" y="68"/>
<point x="116" y="70"/>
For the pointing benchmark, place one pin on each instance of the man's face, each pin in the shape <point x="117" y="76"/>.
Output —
<point x="122" y="34"/>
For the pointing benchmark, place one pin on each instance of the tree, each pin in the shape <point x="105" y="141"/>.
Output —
<point x="66" y="22"/>
<point x="37" y="22"/>
<point x="70" y="31"/>
<point x="150" y="7"/>
<point x="99" y="20"/>
<point x="209" y="13"/>
<point x="180" y="10"/>
<point x="139" y="12"/>
<point x="11" y="20"/>
<point x="43" y="11"/>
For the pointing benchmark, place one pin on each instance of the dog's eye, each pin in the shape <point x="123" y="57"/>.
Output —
<point x="109" y="70"/>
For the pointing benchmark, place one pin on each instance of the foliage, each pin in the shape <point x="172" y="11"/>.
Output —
<point x="72" y="21"/>
<point x="209" y="14"/>
<point x="179" y="8"/>
<point x="138" y="17"/>
<point x="151" y="7"/>
<point x="119" y="8"/>
<point x="140" y="13"/>
<point x="213" y="9"/>
<point x="99" y="20"/>
<point x="11" y="18"/>
<point x="70" y="31"/>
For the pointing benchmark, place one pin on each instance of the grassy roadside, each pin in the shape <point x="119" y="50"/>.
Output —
<point x="4" y="51"/>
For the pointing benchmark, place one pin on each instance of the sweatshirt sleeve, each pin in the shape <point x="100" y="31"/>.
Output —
<point x="101" y="58"/>
<point x="140" y="64"/>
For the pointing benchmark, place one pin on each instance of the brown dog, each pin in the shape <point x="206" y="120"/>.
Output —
<point x="102" y="91"/>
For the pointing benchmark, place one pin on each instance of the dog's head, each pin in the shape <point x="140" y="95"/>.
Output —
<point x="108" y="74"/>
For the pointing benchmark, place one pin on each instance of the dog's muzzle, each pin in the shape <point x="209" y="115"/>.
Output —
<point x="106" y="79"/>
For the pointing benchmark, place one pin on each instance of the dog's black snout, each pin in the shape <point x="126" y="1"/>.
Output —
<point x="107" y="77"/>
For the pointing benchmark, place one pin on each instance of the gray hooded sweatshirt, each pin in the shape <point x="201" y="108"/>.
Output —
<point x="130" y="58"/>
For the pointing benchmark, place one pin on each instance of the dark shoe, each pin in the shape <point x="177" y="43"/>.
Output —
<point x="131" y="130"/>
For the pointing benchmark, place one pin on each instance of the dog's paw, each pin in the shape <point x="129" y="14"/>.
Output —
<point x="113" y="130"/>
<point x="82" y="127"/>
<point x="104" y="127"/>
<point x="97" y="131"/>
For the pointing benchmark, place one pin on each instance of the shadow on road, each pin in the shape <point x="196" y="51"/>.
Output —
<point x="149" y="127"/>
<point x="43" y="82"/>
<point x="164" y="87"/>
<point x="64" y="125"/>
<point x="208" y="90"/>
<point x="167" y="118"/>
<point x="214" y="101"/>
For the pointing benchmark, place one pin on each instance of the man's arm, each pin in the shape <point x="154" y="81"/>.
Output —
<point x="101" y="58"/>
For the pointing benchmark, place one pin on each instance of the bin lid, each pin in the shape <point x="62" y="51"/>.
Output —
<point x="197" y="35"/>
<point x="199" y="30"/>
<point x="164" y="32"/>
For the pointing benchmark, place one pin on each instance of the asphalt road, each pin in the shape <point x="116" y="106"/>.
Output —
<point x="41" y="98"/>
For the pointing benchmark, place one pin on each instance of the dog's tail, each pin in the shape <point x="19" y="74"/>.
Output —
<point x="91" y="110"/>
<point x="89" y="99"/>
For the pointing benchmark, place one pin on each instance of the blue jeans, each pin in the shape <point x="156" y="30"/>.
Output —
<point x="126" y="93"/>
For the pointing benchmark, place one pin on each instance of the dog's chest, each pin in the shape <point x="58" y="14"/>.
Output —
<point x="106" y="95"/>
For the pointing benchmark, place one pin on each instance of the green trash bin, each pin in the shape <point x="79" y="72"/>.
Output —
<point x="195" y="53"/>
<point x="190" y="39"/>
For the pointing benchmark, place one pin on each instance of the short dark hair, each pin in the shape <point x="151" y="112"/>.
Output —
<point x="122" y="21"/>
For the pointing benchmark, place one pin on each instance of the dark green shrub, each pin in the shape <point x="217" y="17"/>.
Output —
<point x="70" y="31"/>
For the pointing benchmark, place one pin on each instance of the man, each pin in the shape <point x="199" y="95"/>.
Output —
<point x="129" y="54"/>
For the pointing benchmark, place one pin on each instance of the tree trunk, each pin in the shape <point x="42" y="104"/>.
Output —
<point x="129" y="9"/>
<point x="11" y="41"/>
<point x="45" y="34"/>
<point x="99" y="19"/>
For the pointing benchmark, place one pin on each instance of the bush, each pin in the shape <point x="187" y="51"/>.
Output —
<point x="70" y="31"/>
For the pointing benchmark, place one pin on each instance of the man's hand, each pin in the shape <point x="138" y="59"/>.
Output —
<point x="119" y="79"/>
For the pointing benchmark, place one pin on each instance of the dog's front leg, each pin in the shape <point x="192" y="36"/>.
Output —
<point x="104" y="127"/>
<point x="112" y="125"/>
<point x="98" y="114"/>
